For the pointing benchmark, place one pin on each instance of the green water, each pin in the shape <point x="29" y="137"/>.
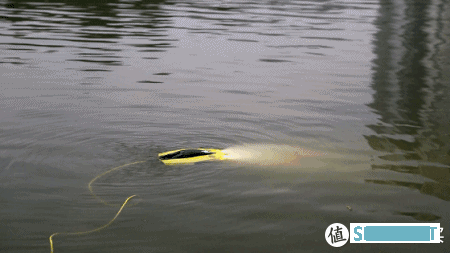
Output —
<point x="89" y="86"/>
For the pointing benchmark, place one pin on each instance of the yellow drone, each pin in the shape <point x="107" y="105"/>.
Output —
<point x="189" y="156"/>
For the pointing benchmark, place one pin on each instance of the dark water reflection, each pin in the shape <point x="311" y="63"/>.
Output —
<point x="90" y="85"/>
<point x="411" y="81"/>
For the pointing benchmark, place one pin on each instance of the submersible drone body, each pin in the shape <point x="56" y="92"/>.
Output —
<point x="189" y="156"/>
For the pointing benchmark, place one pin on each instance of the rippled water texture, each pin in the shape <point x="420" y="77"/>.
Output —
<point x="333" y="111"/>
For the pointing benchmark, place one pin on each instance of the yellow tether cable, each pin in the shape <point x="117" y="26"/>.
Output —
<point x="104" y="202"/>
<point x="104" y="173"/>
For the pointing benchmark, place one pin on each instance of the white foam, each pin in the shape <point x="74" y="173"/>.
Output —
<point x="268" y="154"/>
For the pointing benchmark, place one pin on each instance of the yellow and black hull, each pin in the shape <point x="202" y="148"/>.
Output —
<point x="190" y="156"/>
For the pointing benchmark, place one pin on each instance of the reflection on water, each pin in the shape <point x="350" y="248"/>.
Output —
<point x="411" y="81"/>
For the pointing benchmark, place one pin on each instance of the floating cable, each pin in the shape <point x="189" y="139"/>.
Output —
<point x="104" y="173"/>
<point x="101" y="200"/>
<point x="90" y="231"/>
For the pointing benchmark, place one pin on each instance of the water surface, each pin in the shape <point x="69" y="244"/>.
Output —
<point x="89" y="86"/>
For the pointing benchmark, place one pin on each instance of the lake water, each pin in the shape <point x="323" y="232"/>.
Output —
<point x="86" y="87"/>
